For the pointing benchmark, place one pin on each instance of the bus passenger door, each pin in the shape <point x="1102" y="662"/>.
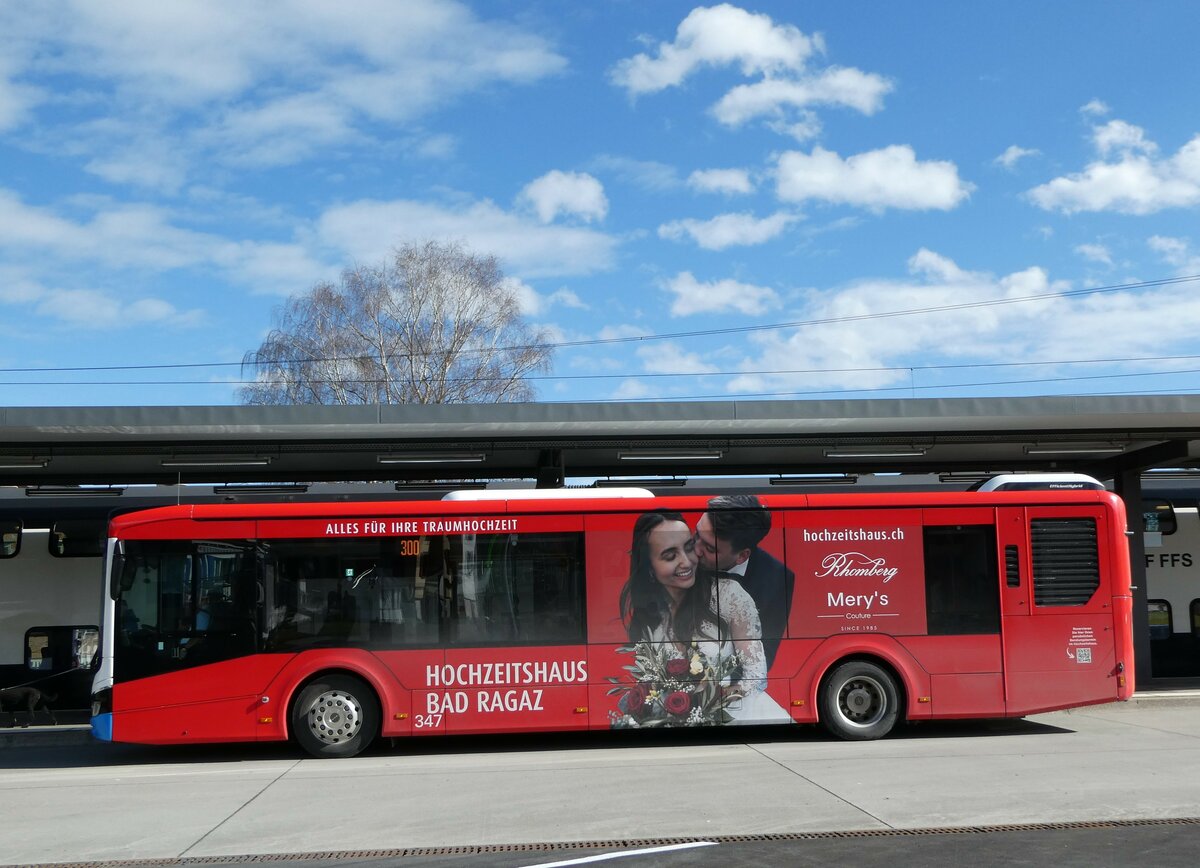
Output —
<point x="1056" y="609"/>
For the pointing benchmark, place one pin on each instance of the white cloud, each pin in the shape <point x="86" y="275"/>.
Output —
<point x="272" y="267"/>
<point x="17" y="286"/>
<point x="1172" y="250"/>
<point x="632" y="390"/>
<point x="891" y="177"/>
<point x="16" y="99"/>
<point x="533" y="303"/>
<point x="694" y="297"/>
<point x="119" y="235"/>
<point x="1052" y="328"/>
<point x="573" y="193"/>
<point x="1136" y="183"/>
<point x="803" y="126"/>
<point x="528" y="300"/>
<point x="777" y="55"/>
<point x="717" y="36"/>
<point x="1095" y="108"/>
<point x="440" y="146"/>
<point x="728" y="230"/>
<point x="256" y="84"/>
<point x="1176" y="252"/>
<point x="668" y="357"/>
<point x="1122" y="137"/>
<point x="621" y="330"/>
<point x="202" y="51"/>
<point x="851" y="88"/>
<point x="135" y="236"/>
<point x="93" y="310"/>
<point x="1013" y="154"/>
<point x="1096" y="253"/>
<point x="647" y="174"/>
<point x="933" y="265"/>
<point x="727" y="181"/>
<point x="368" y="229"/>
<point x="165" y="170"/>
<point x="285" y="130"/>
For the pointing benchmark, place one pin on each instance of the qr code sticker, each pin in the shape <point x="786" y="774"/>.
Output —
<point x="1083" y="655"/>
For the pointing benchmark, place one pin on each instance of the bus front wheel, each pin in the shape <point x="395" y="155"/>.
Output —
<point x="335" y="716"/>
<point x="859" y="701"/>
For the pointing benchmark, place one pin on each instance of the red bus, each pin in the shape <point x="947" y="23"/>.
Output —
<point x="334" y="624"/>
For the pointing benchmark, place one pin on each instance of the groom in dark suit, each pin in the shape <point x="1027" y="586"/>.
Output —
<point x="727" y="538"/>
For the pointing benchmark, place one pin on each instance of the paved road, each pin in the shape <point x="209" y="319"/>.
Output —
<point x="1120" y="763"/>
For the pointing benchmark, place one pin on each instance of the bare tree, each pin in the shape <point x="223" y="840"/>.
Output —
<point x="434" y="325"/>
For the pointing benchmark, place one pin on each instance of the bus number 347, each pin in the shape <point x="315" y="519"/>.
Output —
<point x="427" y="721"/>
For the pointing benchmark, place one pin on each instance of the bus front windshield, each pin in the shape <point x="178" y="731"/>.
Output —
<point x="184" y="603"/>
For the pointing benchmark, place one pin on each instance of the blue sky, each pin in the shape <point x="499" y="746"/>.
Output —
<point x="688" y="178"/>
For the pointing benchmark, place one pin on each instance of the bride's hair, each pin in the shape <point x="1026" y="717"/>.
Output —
<point x="645" y="603"/>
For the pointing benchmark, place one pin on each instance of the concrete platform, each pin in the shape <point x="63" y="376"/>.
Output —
<point x="1117" y="763"/>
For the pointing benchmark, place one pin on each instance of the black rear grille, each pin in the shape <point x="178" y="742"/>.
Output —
<point x="1066" y="562"/>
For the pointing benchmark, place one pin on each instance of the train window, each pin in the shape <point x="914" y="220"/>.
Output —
<point x="1195" y="613"/>
<point x="61" y="648"/>
<point x="1158" y="516"/>
<point x="78" y="538"/>
<point x="10" y="539"/>
<point x="1160" y="618"/>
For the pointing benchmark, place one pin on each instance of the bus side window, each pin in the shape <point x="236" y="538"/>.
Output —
<point x="510" y="589"/>
<point x="961" y="580"/>
<point x="1160" y="618"/>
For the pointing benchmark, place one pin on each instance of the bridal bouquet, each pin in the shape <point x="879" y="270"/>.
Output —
<point x="669" y="687"/>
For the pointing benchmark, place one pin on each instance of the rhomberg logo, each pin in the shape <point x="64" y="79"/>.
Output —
<point x="855" y="565"/>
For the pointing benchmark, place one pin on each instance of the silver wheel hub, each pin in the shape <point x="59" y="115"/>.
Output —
<point x="862" y="701"/>
<point x="335" y="717"/>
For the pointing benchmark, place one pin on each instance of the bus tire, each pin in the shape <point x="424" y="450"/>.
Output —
<point x="335" y="716"/>
<point x="859" y="701"/>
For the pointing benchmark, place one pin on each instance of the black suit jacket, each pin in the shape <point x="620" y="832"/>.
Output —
<point x="770" y="585"/>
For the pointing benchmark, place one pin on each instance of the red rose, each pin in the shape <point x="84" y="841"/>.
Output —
<point x="677" y="667"/>
<point x="634" y="699"/>
<point x="677" y="702"/>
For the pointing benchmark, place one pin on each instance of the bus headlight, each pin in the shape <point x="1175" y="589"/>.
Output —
<point x="102" y="702"/>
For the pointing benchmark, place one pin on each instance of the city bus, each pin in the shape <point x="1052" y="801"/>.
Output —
<point x="335" y="624"/>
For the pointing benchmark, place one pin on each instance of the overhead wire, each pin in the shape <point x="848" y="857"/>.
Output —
<point x="1169" y="281"/>
<point x="903" y="388"/>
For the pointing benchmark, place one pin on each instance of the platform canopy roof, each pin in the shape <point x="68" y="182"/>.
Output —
<point x="55" y="446"/>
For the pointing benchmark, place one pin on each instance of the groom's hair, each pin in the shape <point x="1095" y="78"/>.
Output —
<point x="739" y="518"/>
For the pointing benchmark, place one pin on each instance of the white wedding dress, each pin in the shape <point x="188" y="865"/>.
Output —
<point x="736" y="608"/>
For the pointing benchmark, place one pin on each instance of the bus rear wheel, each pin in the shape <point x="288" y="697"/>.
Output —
<point x="859" y="701"/>
<point x="335" y="716"/>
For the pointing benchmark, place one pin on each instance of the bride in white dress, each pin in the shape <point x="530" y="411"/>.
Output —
<point x="666" y="600"/>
